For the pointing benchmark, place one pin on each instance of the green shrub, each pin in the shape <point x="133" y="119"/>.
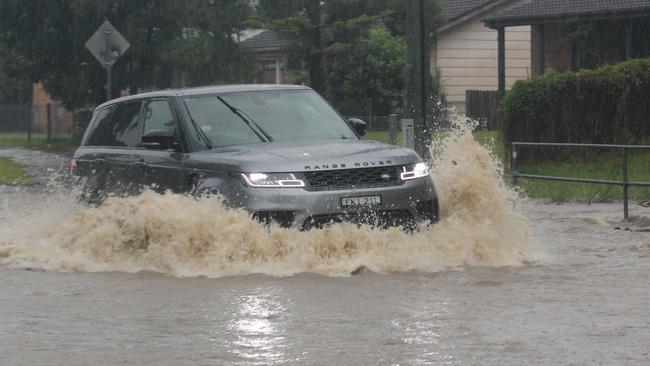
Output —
<point x="608" y="105"/>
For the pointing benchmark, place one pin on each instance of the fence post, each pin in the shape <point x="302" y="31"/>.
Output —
<point x="513" y="165"/>
<point x="30" y="108"/>
<point x="49" y="121"/>
<point x="408" y="136"/>
<point x="626" y="186"/>
<point x="392" y="129"/>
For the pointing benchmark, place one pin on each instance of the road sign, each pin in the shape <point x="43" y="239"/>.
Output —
<point x="107" y="44"/>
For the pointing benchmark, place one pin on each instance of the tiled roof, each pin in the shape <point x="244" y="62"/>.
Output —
<point x="540" y="9"/>
<point x="267" y="41"/>
<point x="455" y="8"/>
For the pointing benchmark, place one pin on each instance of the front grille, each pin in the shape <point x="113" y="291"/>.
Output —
<point x="332" y="180"/>
<point x="378" y="219"/>
<point x="282" y="218"/>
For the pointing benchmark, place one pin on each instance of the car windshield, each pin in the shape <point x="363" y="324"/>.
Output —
<point x="261" y="116"/>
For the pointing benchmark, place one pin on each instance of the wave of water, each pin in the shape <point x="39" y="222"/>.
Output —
<point x="481" y="225"/>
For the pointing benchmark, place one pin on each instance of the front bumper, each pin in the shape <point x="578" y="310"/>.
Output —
<point x="403" y="205"/>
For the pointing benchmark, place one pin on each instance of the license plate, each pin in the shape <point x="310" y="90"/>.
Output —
<point x="361" y="201"/>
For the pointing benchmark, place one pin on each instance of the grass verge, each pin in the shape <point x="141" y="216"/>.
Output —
<point x="59" y="144"/>
<point x="607" y="166"/>
<point x="12" y="173"/>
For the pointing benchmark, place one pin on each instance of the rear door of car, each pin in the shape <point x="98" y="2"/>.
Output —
<point x="91" y="160"/>
<point x="111" y="145"/>
<point x="162" y="168"/>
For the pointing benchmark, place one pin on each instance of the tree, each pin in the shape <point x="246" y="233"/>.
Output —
<point x="172" y="43"/>
<point x="315" y="26"/>
<point x="368" y="77"/>
<point x="350" y="48"/>
<point x="14" y="87"/>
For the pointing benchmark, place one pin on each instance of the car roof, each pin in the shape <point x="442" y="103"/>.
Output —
<point x="214" y="89"/>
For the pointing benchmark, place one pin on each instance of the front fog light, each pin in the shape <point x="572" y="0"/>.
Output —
<point x="414" y="171"/>
<point x="272" y="180"/>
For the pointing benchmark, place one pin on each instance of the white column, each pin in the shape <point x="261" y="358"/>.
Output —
<point x="278" y="71"/>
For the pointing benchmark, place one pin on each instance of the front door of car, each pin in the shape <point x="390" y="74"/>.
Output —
<point x="161" y="164"/>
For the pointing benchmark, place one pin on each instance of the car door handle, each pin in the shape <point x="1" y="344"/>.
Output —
<point x="139" y="164"/>
<point x="100" y="160"/>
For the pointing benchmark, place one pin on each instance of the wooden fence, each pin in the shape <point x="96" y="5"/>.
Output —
<point x="482" y="106"/>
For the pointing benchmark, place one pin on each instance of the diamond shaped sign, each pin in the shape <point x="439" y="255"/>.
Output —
<point x="107" y="44"/>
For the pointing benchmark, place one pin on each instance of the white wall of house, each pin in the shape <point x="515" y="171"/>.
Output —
<point x="466" y="58"/>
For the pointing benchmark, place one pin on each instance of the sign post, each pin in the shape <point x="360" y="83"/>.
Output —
<point x="107" y="45"/>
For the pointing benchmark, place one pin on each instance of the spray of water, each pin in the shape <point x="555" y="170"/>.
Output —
<point x="177" y="235"/>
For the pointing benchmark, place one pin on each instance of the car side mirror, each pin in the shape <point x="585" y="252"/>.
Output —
<point x="359" y="125"/>
<point x="159" y="140"/>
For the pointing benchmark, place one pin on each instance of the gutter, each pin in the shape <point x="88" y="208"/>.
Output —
<point x="471" y="14"/>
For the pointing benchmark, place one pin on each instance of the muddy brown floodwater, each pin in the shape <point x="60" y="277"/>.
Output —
<point x="165" y="279"/>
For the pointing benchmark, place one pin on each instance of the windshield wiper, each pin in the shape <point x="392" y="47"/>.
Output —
<point x="202" y="135"/>
<point x="248" y="120"/>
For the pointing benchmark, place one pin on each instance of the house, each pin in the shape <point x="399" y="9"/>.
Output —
<point x="465" y="54"/>
<point x="577" y="34"/>
<point x="43" y="107"/>
<point x="270" y="49"/>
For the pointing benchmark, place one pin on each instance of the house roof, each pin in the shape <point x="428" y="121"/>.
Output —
<point x="456" y="8"/>
<point x="268" y="41"/>
<point x="542" y="11"/>
<point x="457" y="12"/>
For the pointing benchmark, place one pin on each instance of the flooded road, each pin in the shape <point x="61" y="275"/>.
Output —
<point x="587" y="305"/>
<point x="167" y="280"/>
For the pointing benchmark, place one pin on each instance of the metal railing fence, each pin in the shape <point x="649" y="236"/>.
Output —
<point x="625" y="182"/>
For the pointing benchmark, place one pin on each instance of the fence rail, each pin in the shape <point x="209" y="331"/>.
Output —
<point x="625" y="183"/>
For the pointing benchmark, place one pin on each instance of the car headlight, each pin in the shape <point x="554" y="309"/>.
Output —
<point x="414" y="171"/>
<point x="272" y="180"/>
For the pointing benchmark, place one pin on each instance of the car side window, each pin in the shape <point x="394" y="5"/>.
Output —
<point x="158" y="116"/>
<point x="125" y="125"/>
<point x="102" y="132"/>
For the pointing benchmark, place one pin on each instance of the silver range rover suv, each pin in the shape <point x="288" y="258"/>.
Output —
<point x="279" y="151"/>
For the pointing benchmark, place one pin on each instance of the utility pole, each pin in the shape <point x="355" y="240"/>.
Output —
<point x="418" y="75"/>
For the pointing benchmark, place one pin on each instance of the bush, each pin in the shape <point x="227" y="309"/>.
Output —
<point x="608" y="105"/>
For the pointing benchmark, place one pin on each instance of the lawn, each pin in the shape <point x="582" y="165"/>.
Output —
<point x="381" y="136"/>
<point x="60" y="143"/>
<point x="606" y="166"/>
<point x="12" y="173"/>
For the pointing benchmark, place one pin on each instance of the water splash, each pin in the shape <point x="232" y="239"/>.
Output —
<point x="177" y="235"/>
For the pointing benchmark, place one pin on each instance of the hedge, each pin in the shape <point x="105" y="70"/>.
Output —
<point x="608" y="105"/>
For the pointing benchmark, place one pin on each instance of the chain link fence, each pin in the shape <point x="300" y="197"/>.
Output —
<point x="32" y="123"/>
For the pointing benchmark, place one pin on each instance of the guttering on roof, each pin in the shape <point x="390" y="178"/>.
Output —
<point x="475" y="12"/>
<point x="497" y="22"/>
